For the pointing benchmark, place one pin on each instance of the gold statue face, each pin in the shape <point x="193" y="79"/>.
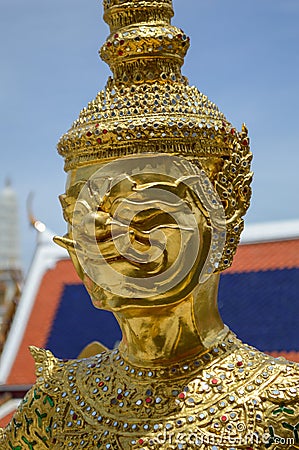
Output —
<point x="143" y="231"/>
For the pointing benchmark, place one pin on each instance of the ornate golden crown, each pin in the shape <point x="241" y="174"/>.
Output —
<point x="148" y="107"/>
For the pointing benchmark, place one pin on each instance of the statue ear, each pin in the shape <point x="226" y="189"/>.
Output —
<point x="232" y="183"/>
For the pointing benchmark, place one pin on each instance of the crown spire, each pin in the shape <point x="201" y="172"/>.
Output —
<point x="121" y="13"/>
<point x="143" y="46"/>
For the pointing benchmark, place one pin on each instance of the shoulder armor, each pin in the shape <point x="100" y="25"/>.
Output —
<point x="49" y="370"/>
<point x="44" y="360"/>
<point x="285" y="387"/>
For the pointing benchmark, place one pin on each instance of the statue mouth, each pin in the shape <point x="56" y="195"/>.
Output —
<point x="128" y="250"/>
<point x="146" y="252"/>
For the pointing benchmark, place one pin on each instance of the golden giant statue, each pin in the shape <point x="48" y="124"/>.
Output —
<point x="158" y="183"/>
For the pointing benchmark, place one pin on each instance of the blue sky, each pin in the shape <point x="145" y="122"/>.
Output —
<point x="244" y="56"/>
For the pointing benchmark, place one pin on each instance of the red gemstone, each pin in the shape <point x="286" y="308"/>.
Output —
<point x="245" y="142"/>
<point x="120" y="52"/>
<point x="182" y="395"/>
<point x="122" y="42"/>
<point x="140" y="441"/>
<point x="214" y="381"/>
<point x="116" y="36"/>
<point x="119" y="397"/>
<point x="99" y="140"/>
<point x="105" y="131"/>
<point x="75" y="416"/>
<point x="101" y="384"/>
<point x="97" y="125"/>
<point x="224" y="418"/>
<point x="233" y="131"/>
<point x="148" y="400"/>
<point x="89" y="134"/>
<point x="239" y="363"/>
<point x="109" y="44"/>
<point x="180" y="36"/>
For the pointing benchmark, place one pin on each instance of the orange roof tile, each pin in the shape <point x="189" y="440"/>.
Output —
<point x="266" y="256"/>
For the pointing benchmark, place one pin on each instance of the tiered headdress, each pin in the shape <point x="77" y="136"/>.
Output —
<point x="149" y="107"/>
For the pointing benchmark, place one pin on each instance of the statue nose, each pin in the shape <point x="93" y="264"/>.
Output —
<point x="97" y="224"/>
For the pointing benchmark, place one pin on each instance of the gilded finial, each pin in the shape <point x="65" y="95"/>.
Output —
<point x="122" y="13"/>
<point x="143" y="46"/>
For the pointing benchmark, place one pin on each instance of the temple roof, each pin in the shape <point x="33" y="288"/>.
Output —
<point x="46" y="257"/>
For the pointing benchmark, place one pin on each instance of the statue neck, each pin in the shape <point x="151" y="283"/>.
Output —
<point x="163" y="335"/>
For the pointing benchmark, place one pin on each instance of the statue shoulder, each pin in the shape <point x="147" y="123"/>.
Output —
<point x="45" y="361"/>
<point x="49" y="370"/>
<point x="54" y="374"/>
<point x="40" y="419"/>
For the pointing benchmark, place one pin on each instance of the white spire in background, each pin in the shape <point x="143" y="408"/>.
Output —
<point x="10" y="257"/>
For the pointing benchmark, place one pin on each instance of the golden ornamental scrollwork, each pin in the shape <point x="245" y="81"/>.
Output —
<point x="230" y="395"/>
